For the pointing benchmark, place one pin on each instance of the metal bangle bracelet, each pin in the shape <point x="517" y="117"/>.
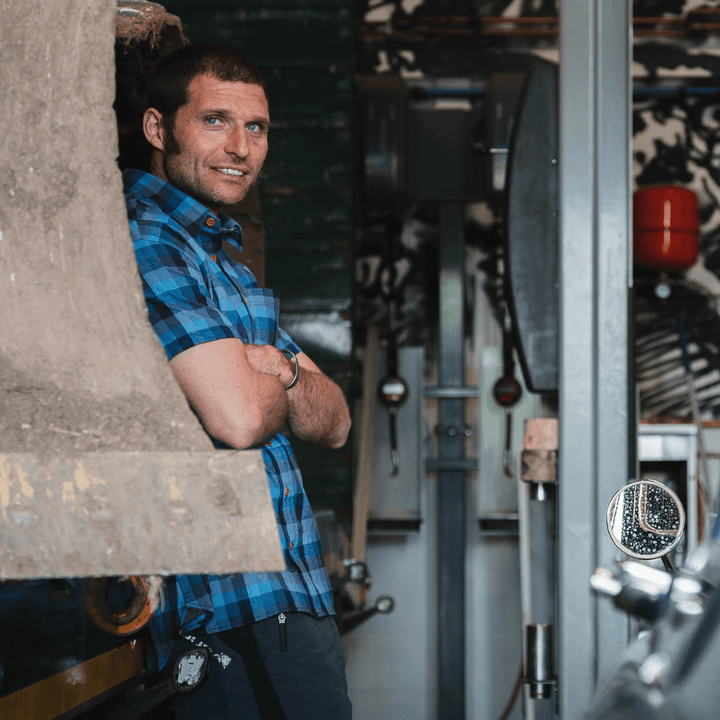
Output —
<point x="291" y="354"/>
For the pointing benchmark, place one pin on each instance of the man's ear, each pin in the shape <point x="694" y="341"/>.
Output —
<point x="154" y="129"/>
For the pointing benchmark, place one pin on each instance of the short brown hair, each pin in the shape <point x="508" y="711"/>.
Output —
<point x="167" y="88"/>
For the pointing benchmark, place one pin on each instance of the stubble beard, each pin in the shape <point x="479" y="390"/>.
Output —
<point x="187" y="182"/>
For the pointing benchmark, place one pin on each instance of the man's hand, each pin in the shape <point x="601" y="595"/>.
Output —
<point x="317" y="411"/>
<point x="239" y="393"/>
<point x="271" y="361"/>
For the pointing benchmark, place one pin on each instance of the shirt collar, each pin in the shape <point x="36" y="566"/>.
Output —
<point x="185" y="210"/>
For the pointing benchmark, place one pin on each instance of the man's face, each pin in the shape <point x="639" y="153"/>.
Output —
<point x="217" y="144"/>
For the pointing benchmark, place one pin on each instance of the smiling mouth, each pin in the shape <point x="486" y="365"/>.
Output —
<point x="232" y="172"/>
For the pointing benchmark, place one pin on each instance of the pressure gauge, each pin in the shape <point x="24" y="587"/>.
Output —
<point x="507" y="391"/>
<point x="392" y="391"/>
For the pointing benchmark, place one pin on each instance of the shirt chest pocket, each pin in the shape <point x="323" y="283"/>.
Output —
<point x="263" y="307"/>
<point x="251" y="311"/>
<point x="253" y="314"/>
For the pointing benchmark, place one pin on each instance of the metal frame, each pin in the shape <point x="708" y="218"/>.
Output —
<point x="451" y="482"/>
<point x="660" y="443"/>
<point x="595" y="274"/>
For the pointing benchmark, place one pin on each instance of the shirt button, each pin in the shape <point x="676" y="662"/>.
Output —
<point x="291" y="544"/>
<point x="210" y="222"/>
<point x="287" y="491"/>
<point x="213" y="258"/>
<point x="268" y="443"/>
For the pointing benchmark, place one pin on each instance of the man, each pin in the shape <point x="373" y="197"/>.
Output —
<point x="274" y="645"/>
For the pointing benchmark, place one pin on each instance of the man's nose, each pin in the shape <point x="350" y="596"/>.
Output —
<point x="237" y="143"/>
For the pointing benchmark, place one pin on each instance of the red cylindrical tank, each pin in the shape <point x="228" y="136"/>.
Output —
<point x="665" y="227"/>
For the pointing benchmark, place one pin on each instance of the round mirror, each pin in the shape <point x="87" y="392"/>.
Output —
<point x="645" y="519"/>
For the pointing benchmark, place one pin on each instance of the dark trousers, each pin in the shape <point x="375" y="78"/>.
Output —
<point x="257" y="674"/>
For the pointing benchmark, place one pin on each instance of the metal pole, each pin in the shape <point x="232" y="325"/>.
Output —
<point x="451" y="483"/>
<point x="594" y="279"/>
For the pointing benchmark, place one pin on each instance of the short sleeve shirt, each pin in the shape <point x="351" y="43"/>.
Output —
<point x="196" y="293"/>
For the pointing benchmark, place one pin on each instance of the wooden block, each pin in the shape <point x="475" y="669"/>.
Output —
<point x="538" y="465"/>
<point x="541" y="434"/>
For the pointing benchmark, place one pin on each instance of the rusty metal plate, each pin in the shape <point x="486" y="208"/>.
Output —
<point x="136" y="513"/>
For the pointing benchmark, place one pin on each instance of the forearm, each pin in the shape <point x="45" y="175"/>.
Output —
<point x="253" y="423"/>
<point x="317" y="410"/>
<point x="237" y="405"/>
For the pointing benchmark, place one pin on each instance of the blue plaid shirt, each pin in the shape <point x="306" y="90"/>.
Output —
<point x="196" y="293"/>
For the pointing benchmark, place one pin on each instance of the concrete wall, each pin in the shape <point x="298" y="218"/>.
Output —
<point x="80" y="368"/>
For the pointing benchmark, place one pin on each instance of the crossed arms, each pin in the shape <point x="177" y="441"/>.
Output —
<point x="238" y="391"/>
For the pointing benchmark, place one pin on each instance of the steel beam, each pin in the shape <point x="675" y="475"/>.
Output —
<point x="595" y="146"/>
<point x="451" y="483"/>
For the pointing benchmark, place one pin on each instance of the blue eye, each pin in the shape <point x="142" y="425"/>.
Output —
<point x="212" y="121"/>
<point x="254" y="127"/>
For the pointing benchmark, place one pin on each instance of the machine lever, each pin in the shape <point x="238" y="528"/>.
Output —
<point x="507" y="391"/>
<point x="393" y="392"/>
<point x="394" y="457"/>
<point x="507" y="452"/>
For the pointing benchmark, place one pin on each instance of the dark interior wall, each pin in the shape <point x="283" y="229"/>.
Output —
<point x="304" y="50"/>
